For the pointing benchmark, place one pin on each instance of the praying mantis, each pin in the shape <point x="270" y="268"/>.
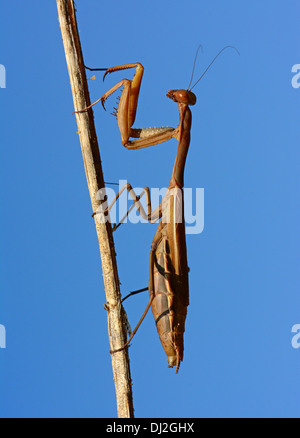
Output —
<point x="168" y="267"/>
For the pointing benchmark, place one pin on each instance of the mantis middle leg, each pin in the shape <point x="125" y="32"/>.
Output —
<point x="150" y="216"/>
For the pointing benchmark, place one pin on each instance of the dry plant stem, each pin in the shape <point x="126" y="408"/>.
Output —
<point x="94" y="175"/>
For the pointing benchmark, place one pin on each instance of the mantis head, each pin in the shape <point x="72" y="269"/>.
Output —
<point x="182" y="96"/>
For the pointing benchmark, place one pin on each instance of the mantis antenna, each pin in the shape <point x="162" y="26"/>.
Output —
<point x="224" y="48"/>
<point x="200" y="45"/>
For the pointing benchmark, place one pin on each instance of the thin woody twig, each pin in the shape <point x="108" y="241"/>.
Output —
<point x="94" y="175"/>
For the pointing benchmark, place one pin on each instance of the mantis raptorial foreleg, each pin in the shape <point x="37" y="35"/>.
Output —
<point x="126" y="112"/>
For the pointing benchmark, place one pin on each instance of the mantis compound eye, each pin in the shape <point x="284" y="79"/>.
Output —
<point x="192" y="98"/>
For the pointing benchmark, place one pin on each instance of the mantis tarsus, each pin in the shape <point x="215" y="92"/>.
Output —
<point x="168" y="267"/>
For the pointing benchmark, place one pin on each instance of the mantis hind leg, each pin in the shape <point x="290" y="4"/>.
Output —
<point x="155" y="241"/>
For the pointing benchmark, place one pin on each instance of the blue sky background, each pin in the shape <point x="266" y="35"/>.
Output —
<point x="244" y="267"/>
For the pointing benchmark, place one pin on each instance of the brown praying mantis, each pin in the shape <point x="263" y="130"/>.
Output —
<point x="168" y="267"/>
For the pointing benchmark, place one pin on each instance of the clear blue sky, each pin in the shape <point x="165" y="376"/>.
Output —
<point x="244" y="267"/>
